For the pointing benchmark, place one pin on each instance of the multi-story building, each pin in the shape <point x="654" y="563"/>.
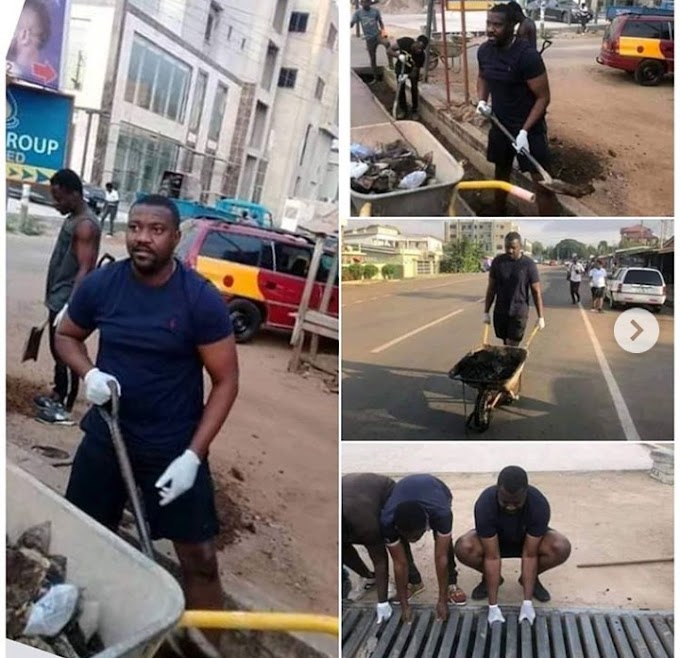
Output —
<point x="490" y="234"/>
<point x="206" y="88"/>
<point x="639" y="235"/>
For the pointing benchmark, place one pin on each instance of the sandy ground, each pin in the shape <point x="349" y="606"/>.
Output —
<point x="278" y="446"/>
<point x="607" y="516"/>
<point x="603" y="127"/>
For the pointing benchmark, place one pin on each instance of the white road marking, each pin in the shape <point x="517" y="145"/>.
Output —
<point x="386" y="346"/>
<point x="626" y="420"/>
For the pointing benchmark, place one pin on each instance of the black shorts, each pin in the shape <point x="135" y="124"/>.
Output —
<point x="510" y="548"/>
<point x="598" y="293"/>
<point x="510" y="327"/>
<point x="501" y="152"/>
<point x="97" y="488"/>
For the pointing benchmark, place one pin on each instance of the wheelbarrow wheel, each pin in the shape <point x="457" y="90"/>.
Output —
<point x="433" y="59"/>
<point x="480" y="418"/>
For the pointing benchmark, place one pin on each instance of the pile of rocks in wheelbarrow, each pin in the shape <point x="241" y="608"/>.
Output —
<point x="42" y="610"/>
<point x="389" y="167"/>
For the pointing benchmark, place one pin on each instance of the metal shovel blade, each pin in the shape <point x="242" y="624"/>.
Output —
<point x="32" y="345"/>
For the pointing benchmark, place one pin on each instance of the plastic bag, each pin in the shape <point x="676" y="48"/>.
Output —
<point x="53" y="611"/>
<point x="357" y="169"/>
<point x="360" y="151"/>
<point x="412" y="180"/>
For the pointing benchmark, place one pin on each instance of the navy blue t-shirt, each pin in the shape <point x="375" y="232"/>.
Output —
<point x="148" y="339"/>
<point x="432" y="494"/>
<point x="491" y="520"/>
<point x="506" y="71"/>
<point x="513" y="279"/>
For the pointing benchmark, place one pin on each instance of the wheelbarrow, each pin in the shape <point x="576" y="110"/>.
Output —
<point x="437" y="199"/>
<point x="495" y="389"/>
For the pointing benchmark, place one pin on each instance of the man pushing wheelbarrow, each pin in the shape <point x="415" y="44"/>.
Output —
<point x="513" y="277"/>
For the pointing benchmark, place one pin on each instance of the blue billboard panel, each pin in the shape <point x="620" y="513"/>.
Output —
<point x="37" y="132"/>
<point x="37" y="47"/>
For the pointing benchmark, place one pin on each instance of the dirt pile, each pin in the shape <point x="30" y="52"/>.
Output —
<point x="20" y="394"/>
<point x="492" y="364"/>
<point x="403" y="7"/>
<point x="233" y="516"/>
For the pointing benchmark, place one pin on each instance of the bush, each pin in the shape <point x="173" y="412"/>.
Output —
<point x="355" y="271"/>
<point x="370" y="271"/>
<point x="391" y="271"/>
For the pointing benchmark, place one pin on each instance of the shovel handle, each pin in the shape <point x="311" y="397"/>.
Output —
<point x="485" y="334"/>
<point x="532" y="335"/>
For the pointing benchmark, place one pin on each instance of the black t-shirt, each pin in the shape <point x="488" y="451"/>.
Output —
<point x="513" y="279"/>
<point x="405" y="44"/>
<point x="430" y="492"/>
<point x="491" y="520"/>
<point x="506" y="71"/>
<point x="363" y="497"/>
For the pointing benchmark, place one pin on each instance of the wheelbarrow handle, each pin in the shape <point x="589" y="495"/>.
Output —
<point x="485" y="334"/>
<point x="532" y="335"/>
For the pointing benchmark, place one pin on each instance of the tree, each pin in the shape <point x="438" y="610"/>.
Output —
<point x="354" y="271"/>
<point x="537" y="248"/>
<point x="602" y="248"/>
<point x="564" y="249"/>
<point x="461" y="256"/>
<point x="369" y="271"/>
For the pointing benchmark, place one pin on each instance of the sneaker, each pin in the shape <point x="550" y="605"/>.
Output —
<point x="412" y="589"/>
<point x="364" y="586"/>
<point x="55" y="415"/>
<point x="45" y="401"/>
<point x="481" y="592"/>
<point x="456" y="595"/>
<point x="540" y="593"/>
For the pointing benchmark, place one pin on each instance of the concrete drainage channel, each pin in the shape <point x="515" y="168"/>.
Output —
<point x="466" y="634"/>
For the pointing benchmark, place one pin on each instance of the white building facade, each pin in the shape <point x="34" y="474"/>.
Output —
<point x="193" y="86"/>
<point x="490" y="234"/>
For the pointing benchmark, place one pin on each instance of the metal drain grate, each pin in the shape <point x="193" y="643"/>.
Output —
<point x="466" y="634"/>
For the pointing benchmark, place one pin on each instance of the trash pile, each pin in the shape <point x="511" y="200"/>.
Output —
<point x="492" y="364"/>
<point x="389" y="167"/>
<point x="42" y="610"/>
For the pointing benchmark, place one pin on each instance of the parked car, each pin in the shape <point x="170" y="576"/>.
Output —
<point x="261" y="272"/>
<point x="95" y="197"/>
<point x="641" y="286"/>
<point x="38" y="194"/>
<point x="642" y="45"/>
<point x="555" y="10"/>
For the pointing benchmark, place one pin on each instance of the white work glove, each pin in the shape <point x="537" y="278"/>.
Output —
<point x="540" y="323"/>
<point x="97" y="388"/>
<point x="522" y="141"/>
<point x="483" y="108"/>
<point x="487" y="318"/>
<point x="527" y="612"/>
<point x="402" y="58"/>
<point x="178" y="477"/>
<point x="402" y="78"/>
<point x="384" y="611"/>
<point x="495" y="614"/>
<point x="60" y="315"/>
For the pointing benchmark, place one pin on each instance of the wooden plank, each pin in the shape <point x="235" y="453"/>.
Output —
<point x="623" y="648"/>
<point x="449" y="635"/>
<point x="325" y="301"/>
<point x="465" y="632"/>
<point x="418" y="639"/>
<point x="652" y="639"/>
<point x="637" y="641"/>
<point x="557" y="636"/>
<point x="604" y="638"/>
<point x="542" y="637"/>
<point x="387" y="635"/>
<point x="481" y="636"/>
<point x="573" y="637"/>
<point x="588" y="637"/>
<point x="511" y="635"/>
<point x="664" y="632"/>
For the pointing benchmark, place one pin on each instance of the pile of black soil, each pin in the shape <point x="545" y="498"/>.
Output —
<point x="492" y="364"/>
<point x="574" y="164"/>
<point x="20" y="394"/>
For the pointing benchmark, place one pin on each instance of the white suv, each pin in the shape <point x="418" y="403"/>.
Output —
<point x="636" y="285"/>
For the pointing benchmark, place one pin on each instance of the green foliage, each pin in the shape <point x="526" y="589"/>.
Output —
<point x="369" y="271"/>
<point x="461" y="256"/>
<point x="355" y="271"/>
<point x="537" y="248"/>
<point x="392" y="271"/>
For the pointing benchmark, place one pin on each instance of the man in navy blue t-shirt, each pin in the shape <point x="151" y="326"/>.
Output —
<point x="512" y="72"/>
<point x="512" y="521"/>
<point x="416" y="503"/>
<point x="159" y="325"/>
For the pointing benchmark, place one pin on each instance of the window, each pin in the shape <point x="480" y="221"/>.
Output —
<point x="292" y="260"/>
<point x="206" y="177"/>
<point x="242" y="249"/>
<point x="269" y="66"/>
<point x="259" y="181"/>
<point x="199" y="100"/>
<point x="280" y="15"/>
<point x="157" y="81"/>
<point x="219" y="106"/>
<point x="229" y="33"/>
<point x="332" y="36"/>
<point x="304" y="145"/>
<point x="320" y="85"/>
<point x="643" y="277"/>
<point x="243" y="44"/>
<point x="298" y="22"/>
<point x="287" y="78"/>
<point x="213" y="19"/>
<point x="324" y="269"/>
<point x="646" y="29"/>
<point x="259" y="124"/>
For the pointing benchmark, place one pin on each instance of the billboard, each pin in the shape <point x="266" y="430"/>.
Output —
<point x="37" y="47"/>
<point x="36" y="147"/>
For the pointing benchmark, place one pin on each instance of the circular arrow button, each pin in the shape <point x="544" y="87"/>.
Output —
<point x="636" y="330"/>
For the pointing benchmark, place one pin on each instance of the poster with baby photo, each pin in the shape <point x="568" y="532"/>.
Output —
<point x="36" y="48"/>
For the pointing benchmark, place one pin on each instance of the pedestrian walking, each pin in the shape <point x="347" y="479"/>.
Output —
<point x="372" y="26"/>
<point x="74" y="255"/>
<point x="410" y="59"/>
<point x="418" y="503"/>
<point x="512" y="520"/>
<point x="160" y="324"/>
<point x="575" y="273"/>
<point x="513" y="280"/>
<point x="110" y="207"/>
<point x="512" y="74"/>
<point x="598" y="282"/>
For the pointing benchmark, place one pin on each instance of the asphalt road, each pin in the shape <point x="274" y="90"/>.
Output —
<point x="400" y="339"/>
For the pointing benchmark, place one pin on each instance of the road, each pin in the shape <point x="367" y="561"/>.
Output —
<point x="400" y="339"/>
<point x="266" y="463"/>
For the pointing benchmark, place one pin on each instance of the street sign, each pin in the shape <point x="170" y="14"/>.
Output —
<point x="37" y="129"/>
<point x="36" y="52"/>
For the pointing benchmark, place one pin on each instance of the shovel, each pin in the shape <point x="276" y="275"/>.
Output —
<point x="401" y="81"/>
<point x="553" y="184"/>
<point x="133" y="492"/>
<point x="32" y="345"/>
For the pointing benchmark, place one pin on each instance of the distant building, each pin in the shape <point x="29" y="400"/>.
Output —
<point x="638" y="234"/>
<point x="489" y="234"/>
